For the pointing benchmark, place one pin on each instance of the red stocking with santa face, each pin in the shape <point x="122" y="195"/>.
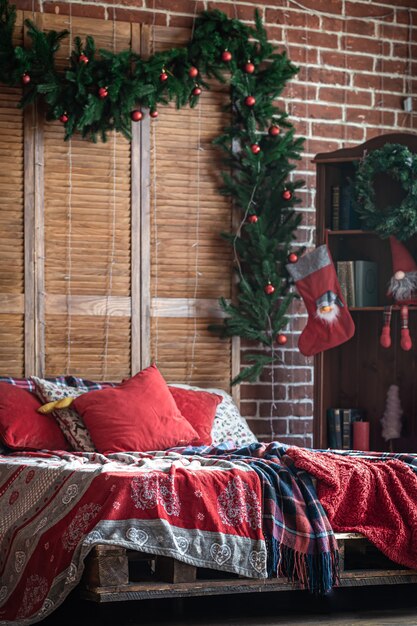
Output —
<point x="329" y="321"/>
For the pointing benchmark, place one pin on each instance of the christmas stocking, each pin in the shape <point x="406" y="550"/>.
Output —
<point x="329" y="321"/>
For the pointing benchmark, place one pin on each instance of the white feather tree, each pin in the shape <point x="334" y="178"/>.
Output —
<point x="391" y="420"/>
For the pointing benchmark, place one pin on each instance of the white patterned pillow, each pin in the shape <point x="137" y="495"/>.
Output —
<point x="228" y="423"/>
<point x="69" y="421"/>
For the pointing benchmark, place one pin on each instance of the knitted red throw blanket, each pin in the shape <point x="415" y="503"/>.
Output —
<point x="375" y="498"/>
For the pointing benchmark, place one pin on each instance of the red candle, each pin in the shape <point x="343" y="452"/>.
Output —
<point x="361" y="436"/>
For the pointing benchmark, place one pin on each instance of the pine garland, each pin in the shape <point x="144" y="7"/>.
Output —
<point x="102" y="91"/>
<point x="401" y="164"/>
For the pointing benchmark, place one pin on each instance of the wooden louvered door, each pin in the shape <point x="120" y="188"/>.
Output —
<point x="88" y="300"/>
<point x="12" y="212"/>
<point x="190" y="262"/>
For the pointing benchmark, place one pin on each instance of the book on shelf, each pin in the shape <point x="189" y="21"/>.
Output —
<point x="339" y="427"/>
<point x="343" y="213"/>
<point x="358" y="282"/>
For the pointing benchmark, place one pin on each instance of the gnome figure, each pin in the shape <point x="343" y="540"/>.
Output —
<point x="403" y="289"/>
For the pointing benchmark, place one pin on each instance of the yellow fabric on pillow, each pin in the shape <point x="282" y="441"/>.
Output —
<point x="64" y="403"/>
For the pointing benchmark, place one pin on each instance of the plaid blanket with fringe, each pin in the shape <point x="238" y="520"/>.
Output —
<point x="301" y="545"/>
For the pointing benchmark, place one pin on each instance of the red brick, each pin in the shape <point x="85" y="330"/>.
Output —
<point x="77" y="10"/>
<point x="303" y="235"/>
<point x="370" y="116"/>
<point x="142" y="17"/>
<point x="264" y="427"/>
<point x="262" y="392"/>
<point x="300" y="392"/>
<point x="316" y="111"/>
<point x="287" y="375"/>
<point x="302" y="442"/>
<point x="321" y="145"/>
<point x="330" y="130"/>
<point x="332" y="24"/>
<point x="403" y="17"/>
<point x="172" y="6"/>
<point x="294" y="357"/>
<point x="311" y="38"/>
<point x="360" y="62"/>
<point x="299" y="91"/>
<point x="301" y="54"/>
<point x="373" y="81"/>
<point x="387" y="66"/>
<point x="27" y="5"/>
<point x="361" y="44"/>
<point x="388" y="100"/>
<point x="396" y="33"/>
<point x="369" y="10"/>
<point x="323" y="76"/>
<point x="248" y="409"/>
<point x="274" y="33"/>
<point x="297" y="409"/>
<point x="292" y="18"/>
<point x="300" y="427"/>
<point x="233" y="9"/>
<point x="360" y="27"/>
<point x="128" y="3"/>
<point x="327" y="6"/>
<point x="181" y="21"/>
<point x="404" y="50"/>
<point x="406" y="120"/>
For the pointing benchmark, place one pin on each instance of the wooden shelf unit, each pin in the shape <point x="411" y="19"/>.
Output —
<point x="359" y="372"/>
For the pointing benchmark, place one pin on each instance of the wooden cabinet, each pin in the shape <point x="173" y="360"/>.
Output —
<point x="359" y="372"/>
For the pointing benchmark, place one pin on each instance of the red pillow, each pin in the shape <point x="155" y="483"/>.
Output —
<point x="198" y="408"/>
<point x="138" y="415"/>
<point x="22" y="427"/>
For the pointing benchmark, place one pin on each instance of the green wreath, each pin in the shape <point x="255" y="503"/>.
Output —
<point x="401" y="164"/>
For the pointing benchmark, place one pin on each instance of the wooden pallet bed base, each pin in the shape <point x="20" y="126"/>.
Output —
<point x="111" y="576"/>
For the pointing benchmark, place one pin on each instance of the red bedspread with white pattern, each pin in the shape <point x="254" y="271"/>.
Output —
<point x="55" y="507"/>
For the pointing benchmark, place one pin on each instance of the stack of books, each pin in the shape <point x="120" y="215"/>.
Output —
<point x="339" y="427"/>
<point x="358" y="282"/>
<point x="343" y="214"/>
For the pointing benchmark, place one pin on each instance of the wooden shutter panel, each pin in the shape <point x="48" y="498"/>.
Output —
<point x="12" y="210"/>
<point x="87" y="271"/>
<point x="188" y="215"/>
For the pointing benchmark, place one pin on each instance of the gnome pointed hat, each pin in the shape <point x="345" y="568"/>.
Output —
<point x="402" y="261"/>
<point x="403" y="284"/>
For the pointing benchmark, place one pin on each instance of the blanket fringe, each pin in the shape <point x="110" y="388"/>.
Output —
<point x="316" y="572"/>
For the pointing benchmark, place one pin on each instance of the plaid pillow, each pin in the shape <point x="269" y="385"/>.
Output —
<point x="29" y="385"/>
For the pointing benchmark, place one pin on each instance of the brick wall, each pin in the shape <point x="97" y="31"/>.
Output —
<point x="356" y="67"/>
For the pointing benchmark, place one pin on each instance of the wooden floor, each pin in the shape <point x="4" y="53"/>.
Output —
<point x="377" y="606"/>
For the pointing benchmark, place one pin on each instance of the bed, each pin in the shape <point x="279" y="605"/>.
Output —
<point x="247" y="509"/>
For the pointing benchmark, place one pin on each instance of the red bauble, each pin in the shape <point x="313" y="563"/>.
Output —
<point x="26" y="79"/>
<point x="281" y="339"/>
<point x="63" y="118"/>
<point x="269" y="289"/>
<point x="83" y="59"/>
<point x="255" y="148"/>
<point x="193" y="72"/>
<point x="226" y="56"/>
<point x="163" y="76"/>
<point x="196" y="91"/>
<point x="252" y="219"/>
<point x="249" y="68"/>
<point x="154" y="113"/>
<point x="292" y="258"/>
<point x="250" y="101"/>
<point x="287" y="195"/>
<point x="103" y="93"/>
<point x="136" y="115"/>
<point x="274" y="131"/>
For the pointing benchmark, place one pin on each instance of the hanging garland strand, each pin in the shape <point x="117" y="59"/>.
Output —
<point x="103" y="91"/>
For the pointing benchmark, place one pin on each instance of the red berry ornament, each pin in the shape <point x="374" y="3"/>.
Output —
<point x="281" y="339"/>
<point x="136" y="115"/>
<point x="193" y="72"/>
<point x="103" y="93"/>
<point x="287" y="195"/>
<point x="249" y="67"/>
<point x="274" y="131"/>
<point x="83" y="58"/>
<point x="269" y="289"/>
<point x="163" y="76"/>
<point x="226" y="56"/>
<point x="26" y="79"/>
<point x="196" y="91"/>
<point x="255" y="148"/>
<point x="63" y="118"/>
<point x="154" y="113"/>
<point x="250" y="101"/>
<point x="292" y="258"/>
<point x="252" y="219"/>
